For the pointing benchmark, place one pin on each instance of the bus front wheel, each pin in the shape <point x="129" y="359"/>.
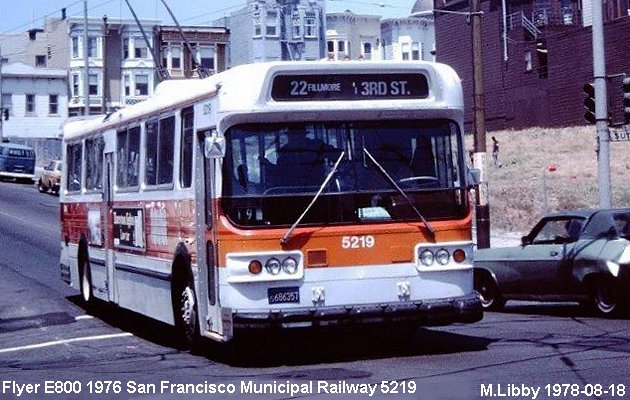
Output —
<point x="185" y="312"/>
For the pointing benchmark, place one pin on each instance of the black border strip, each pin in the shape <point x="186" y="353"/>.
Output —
<point x="144" y="272"/>
<point x="96" y="261"/>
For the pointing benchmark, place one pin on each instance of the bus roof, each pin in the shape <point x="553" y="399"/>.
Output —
<point x="248" y="87"/>
<point x="10" y="145"/>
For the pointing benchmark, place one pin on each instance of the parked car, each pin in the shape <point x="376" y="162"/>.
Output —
<point x="50" y="178"/>
<point x="581" y="256"/>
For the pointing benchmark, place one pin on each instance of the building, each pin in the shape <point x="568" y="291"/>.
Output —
<point x="357" y="37"/>
<point x="273" y="30"/>
<point x="410" y="38"/>
<point x="537" y="55"/>
<point x="37" y="103"/>
<point x="352" y="36"/>
<point x="121" y="70"/>
<point x="208" y="45"/>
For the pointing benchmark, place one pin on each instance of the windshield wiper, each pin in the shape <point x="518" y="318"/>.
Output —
<point x="287" y="235"/>
<point x="402" y="192"/>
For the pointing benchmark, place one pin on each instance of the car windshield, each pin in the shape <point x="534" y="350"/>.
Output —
<point x="605" y="222"/>
<point x="272" y="172"/>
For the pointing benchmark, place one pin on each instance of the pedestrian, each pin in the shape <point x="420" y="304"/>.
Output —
<point x="495" y="152"/>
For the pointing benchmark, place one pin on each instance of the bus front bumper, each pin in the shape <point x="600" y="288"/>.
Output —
<point x="465" y="309"/>
<point x="17" y="175"/>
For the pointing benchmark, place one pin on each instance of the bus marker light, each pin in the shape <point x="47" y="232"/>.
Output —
<point x="459" y="256"/>
<point x="255" y="267"/>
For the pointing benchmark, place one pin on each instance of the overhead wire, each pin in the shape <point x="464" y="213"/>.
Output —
<point x="41" y="18"/>
<point x="55" y="12"/>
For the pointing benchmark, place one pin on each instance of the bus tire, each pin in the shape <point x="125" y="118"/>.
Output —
<point x="185" y="310"/>
<point x="85" y="282"/>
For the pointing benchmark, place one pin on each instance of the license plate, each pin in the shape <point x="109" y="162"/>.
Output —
<point x="283" y="295"/>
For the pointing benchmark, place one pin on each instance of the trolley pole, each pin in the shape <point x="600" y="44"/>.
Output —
<point x="601" y="108"/>
<point x="482" y="208"/>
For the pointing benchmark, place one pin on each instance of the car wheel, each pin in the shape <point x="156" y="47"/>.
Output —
<point x="185" y="311"/>
<point x="606" y="297"/>
<point x="41" y="187"/>
<point x="488" y="292"/>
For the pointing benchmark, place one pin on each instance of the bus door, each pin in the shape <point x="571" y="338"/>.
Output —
<point x="217" y="322"/>
<point x="107" y="218"/>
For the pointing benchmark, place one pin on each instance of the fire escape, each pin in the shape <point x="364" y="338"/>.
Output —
<point x="542" y="18"/>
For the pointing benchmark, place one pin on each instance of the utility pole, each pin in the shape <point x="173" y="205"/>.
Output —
<point x="601" y="107"/>
<point x="86" y="60"/>
<point x="105" y="81"/>
<point x="482" y="208"/>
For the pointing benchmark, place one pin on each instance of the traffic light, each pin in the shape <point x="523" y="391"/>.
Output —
<point x="626" y="100"/>
<point x="5" y="114"/>
<point x="589" y="103"/>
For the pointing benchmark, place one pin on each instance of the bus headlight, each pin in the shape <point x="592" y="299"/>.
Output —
<point x="289" y="265"/>
<point x="273" y="266"/>
<point x="427" y="258"/>
<point x="442" y="256"/>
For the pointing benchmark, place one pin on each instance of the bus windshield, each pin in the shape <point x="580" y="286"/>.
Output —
<point x="272" y="171"/>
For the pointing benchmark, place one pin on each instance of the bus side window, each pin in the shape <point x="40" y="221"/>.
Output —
<point x="94" y="163"/>
<point x="186" y="162"/>
<point x="127" y="158"/>
<point x="159" y="151"/>
<point x="150" y="171"/>
<point x="74" y="159"/>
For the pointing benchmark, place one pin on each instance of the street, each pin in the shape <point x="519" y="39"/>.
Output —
<point x="51" y="347"/>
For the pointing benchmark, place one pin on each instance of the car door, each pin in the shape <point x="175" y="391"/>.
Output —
<point x="543" y="263"/>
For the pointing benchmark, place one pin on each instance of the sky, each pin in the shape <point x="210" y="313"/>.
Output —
<point x="22" y="15"/>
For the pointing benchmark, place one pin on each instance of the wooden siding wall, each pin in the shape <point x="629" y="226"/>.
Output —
<point x="519" y="99"/>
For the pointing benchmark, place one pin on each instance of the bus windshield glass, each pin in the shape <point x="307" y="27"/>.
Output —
<point x="273" y="171"/>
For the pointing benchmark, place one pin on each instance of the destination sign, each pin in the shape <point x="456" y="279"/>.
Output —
<point x="349" y="87"/>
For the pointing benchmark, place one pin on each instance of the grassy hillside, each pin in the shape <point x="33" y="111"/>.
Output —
<point x="516" y="188"/>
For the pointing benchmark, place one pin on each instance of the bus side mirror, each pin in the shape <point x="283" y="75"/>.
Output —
<point x="474" y="177"/>
<point x="214" y="146"/>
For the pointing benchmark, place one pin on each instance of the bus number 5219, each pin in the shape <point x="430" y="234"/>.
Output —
<point x="357" y="242"/>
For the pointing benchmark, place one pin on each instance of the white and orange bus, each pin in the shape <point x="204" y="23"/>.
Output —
<point x="276" y="195"/>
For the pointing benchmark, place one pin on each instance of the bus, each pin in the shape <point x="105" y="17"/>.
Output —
<point x="17" y="162"/>
<point x="276" y="195"/>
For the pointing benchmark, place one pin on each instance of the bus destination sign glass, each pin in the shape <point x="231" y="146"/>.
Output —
<point x="349" y="87"/>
